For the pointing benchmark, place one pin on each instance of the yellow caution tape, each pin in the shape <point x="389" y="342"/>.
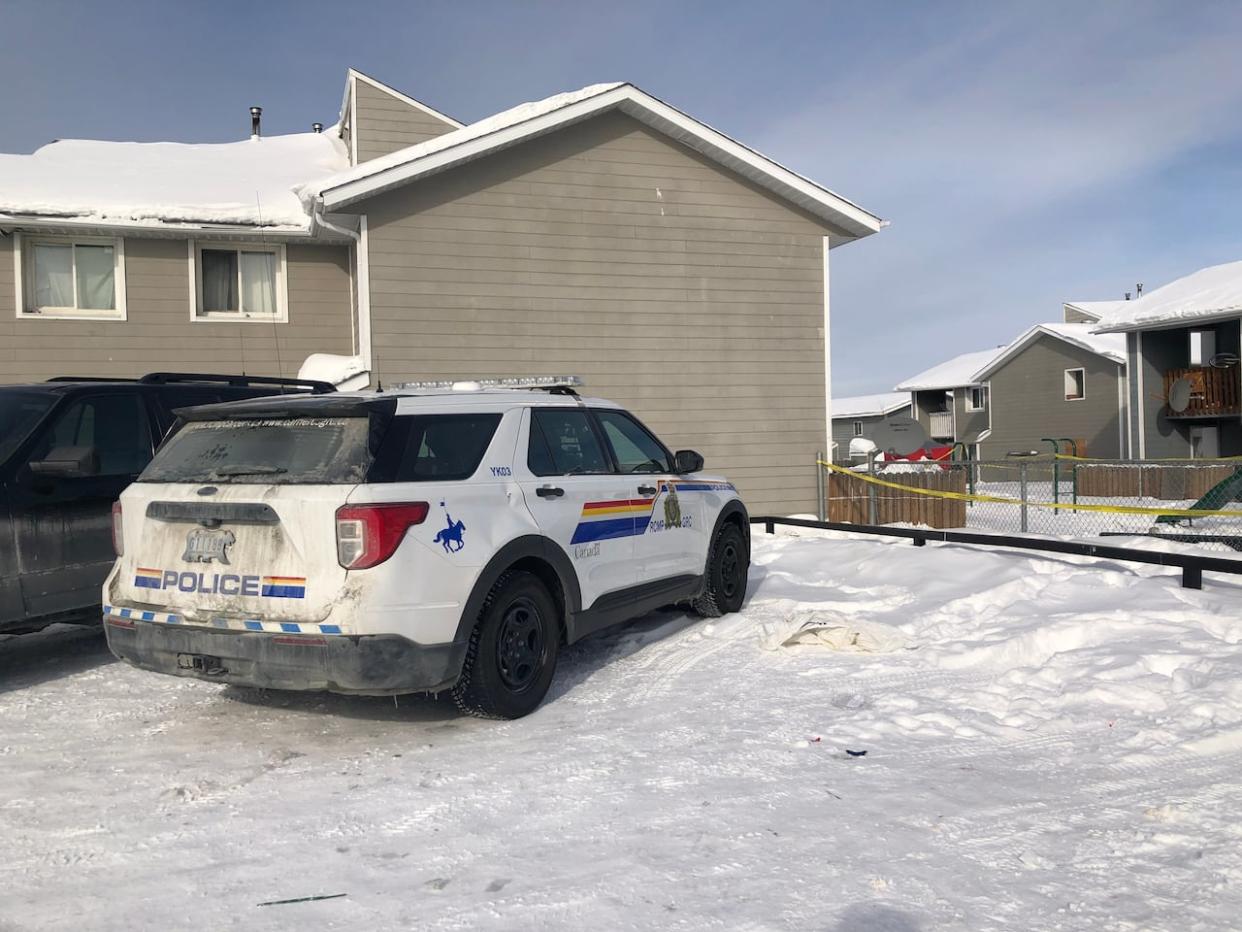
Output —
<point x="1067" y="506"/>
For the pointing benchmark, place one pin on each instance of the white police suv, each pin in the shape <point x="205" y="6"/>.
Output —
<point x="427" y="539"/>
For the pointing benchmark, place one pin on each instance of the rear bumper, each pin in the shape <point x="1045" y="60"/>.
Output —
<point x="379" y="664"/>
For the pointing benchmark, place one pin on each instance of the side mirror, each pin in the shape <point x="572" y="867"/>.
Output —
<point x="68" y="463"/>
<point x="685" y="461"/>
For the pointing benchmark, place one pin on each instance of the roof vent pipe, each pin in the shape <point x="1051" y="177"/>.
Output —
<point x="1127" y="296"/>
<point x="1138" y="290"/>
<point x="316" y="127"/>
<point x="255" y="114"/>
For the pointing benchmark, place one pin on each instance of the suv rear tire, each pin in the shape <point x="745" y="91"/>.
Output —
<point x="512" y="653"/>
<point x="724" y="588"/>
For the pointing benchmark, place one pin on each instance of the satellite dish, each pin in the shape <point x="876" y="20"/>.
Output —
<point x="1223" y="361"/>
<point x="900" y="436"/>
<point x="1179" y="396"/>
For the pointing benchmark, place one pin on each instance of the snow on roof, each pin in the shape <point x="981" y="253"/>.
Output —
<point x="869" y="405"/>
<point x="1100" y="310"/>
<point x="958" y="372"/>
<point x="511" y="117"/>
<point x="1203" y="295"/>
<point x="1109" y="345"/>
<point x="247" y="183"/>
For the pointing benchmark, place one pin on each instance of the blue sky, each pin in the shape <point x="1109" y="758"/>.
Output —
<point x="1025" y="153"/>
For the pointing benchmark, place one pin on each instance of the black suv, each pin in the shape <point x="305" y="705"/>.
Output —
<point x="68" y="448"/>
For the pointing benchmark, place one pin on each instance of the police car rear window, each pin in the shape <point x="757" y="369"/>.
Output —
<point x="284" y="451"/>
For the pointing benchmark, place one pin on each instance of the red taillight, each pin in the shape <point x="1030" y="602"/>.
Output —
<point x="367" y="535"/>
<point x="118" y="537"/>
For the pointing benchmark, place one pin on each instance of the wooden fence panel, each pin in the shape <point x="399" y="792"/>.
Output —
<point x="1165" y="483"/>
<point x="849" y="499"/>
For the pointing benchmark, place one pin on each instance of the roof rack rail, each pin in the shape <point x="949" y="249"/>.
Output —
<point x="89" y="378"/>
<point x="164" y="378"/>
<point x="167" y="378"/>
<point x="554" y="384"/>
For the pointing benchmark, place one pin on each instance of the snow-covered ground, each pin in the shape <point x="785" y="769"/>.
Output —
<point x="1051" y="744"/>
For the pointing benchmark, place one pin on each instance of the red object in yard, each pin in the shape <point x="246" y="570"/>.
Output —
<point x="937" y="454"/>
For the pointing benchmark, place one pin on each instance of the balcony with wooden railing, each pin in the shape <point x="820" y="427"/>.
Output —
<point x="941" y="426"/>
<point x="1213" y="392"/>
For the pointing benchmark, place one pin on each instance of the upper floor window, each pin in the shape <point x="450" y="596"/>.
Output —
<point x="1075" y="384"/>
<point x="858" y="428"/>
<point x="239" y="282"/>
<point x="76" y="277"/>
<point x="977" y="398"/>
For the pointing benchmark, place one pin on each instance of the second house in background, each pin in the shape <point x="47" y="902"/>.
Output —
<point x="949" y="401"/>
<point x="1056" y="380"/>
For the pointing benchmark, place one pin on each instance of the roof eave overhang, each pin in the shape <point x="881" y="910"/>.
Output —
<point x="74" y="225"/>
<point x="1173" y="324"/>
<point x="853" y="221"/>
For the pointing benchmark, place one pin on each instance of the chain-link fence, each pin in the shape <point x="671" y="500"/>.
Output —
<point x="1065" y="497"/>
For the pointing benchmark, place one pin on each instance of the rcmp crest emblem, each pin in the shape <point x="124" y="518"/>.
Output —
<point x="672" y="509"/>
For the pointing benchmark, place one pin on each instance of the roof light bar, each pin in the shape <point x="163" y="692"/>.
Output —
<point x="475" y="385"/>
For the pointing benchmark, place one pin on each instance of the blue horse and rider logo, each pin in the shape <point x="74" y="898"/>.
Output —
<point x="451" y="537"/>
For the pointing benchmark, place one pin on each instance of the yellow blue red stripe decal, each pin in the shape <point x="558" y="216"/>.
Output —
<point x="630" y="517"/>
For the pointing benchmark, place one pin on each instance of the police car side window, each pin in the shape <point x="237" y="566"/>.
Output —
<point x="635" y="448"/>
<point x="443" y="447"/>
<point x="569" y="444"/>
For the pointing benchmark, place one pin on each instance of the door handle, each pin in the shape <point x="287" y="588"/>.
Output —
<point x="647" y="490"/>
<point x="549" y="491"/>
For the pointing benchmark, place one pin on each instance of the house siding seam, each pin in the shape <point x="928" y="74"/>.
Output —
<point x="159" y="335"/>
<point x="607" y="251"/>
<point x="384" y="124"/>
<point x="1028" y="403"/>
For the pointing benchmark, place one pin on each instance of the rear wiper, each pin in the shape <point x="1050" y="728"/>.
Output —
<point x="224" y="471"/>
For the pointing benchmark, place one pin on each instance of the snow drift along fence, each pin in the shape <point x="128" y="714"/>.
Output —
<point x="856" y="501"/>
<point x="1132" y="480"/>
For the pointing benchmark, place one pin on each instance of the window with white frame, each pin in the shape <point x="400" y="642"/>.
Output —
<point x="858" y="428"/>
<point x="977" y="398"/>
<point x="239" y="282"/>
<point x="1075" y="384"/>
<point x="77" y="277"/>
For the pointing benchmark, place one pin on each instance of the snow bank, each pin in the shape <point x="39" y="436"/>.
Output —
<point x="248" y="182"/>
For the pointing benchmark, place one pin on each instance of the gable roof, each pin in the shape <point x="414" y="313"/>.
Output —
<point x="1208" y="294"/>
<point x="353" y="74"/>
<point x="169" y="184"/>
<point x="869" y="405"/>
<point x="530" y="120"/>
<point x="957" y="372"/>
<point x="1110" y="346"/>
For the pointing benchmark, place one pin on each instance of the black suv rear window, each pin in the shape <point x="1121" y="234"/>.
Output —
<point x="289" y="451"/>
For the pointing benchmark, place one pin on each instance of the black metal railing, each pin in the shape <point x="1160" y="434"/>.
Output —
<point x="1193" y="566"/>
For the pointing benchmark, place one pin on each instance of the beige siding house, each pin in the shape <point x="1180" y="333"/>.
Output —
<point x="600" y="233"/>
